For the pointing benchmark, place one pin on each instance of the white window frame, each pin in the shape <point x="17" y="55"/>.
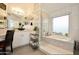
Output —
<point x="68" y="23"/>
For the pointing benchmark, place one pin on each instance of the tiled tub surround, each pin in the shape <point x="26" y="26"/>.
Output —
<point x="58" y="45"/>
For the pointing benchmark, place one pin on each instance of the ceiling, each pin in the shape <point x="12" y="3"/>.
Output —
<point x="26" y="7"/>
<point x="51" y="7"/>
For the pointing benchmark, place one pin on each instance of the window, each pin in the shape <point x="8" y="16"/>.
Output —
<point x="61" y="25"/>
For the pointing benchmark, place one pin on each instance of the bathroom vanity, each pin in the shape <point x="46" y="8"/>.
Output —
<point x="21" y="38"/>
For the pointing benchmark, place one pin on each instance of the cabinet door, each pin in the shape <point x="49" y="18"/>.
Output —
<point x="21" y="38"/>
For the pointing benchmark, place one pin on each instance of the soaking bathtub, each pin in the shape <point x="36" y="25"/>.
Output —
<point x="60" y="41"/>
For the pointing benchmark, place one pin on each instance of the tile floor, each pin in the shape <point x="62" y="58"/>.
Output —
<point x="26" y="50"/>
